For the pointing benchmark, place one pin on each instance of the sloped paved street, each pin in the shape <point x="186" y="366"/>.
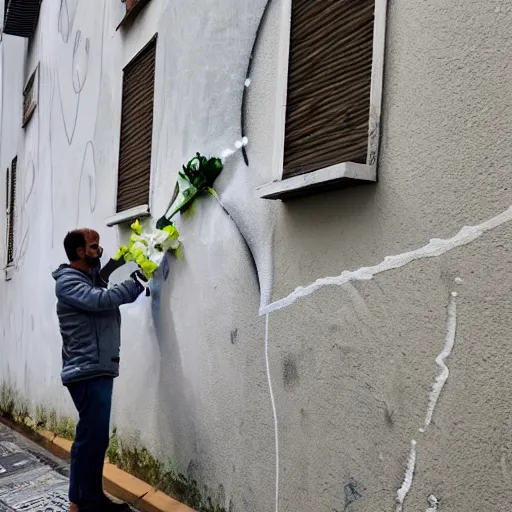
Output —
<point x="31" y="480"/>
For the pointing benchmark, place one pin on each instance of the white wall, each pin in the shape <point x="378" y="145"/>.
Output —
<point x="352" y="367"/>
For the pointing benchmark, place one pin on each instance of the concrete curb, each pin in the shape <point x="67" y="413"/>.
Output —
<point x="118" y="483"/>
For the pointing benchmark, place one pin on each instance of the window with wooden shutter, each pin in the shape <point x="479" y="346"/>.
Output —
<point x="136" y="130"/>
<point x="11" y="208"/>
<point x="329" y="82"/>
<point x="333" y="93"/>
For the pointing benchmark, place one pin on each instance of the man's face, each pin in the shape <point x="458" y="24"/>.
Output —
<point x="93" y="251"/>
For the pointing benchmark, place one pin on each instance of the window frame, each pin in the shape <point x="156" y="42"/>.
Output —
<point x="327" y="178"/>
<point x="143" y="210"/>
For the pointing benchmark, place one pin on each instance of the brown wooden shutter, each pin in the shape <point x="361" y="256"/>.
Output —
<point x="136" y="130"/>
<point x="29" y="98"/>
<point x="11" y="177"/>
<point x="328" y="84"/>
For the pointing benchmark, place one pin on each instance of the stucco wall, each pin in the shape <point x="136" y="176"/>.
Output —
<point x="352" y="366"/>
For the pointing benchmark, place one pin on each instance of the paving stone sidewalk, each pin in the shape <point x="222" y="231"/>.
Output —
<point x="31" y="480"/>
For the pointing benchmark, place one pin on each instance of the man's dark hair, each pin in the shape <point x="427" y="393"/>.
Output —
<point x="72" y="242"/>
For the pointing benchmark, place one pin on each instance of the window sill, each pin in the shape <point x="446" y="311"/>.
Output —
<point x="132" y="13"/>
<point x="128" y="215"/>
<point x="9" y="271"/>
<point x="337" y="176"/>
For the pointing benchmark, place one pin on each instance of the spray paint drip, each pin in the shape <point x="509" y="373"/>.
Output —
<point x="436" y="247"/>
<point x="409" y="475"/>
<point x="274" y="411"/>
<point x="441" y="358"/>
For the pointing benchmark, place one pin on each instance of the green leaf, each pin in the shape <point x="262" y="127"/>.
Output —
<point x="163" y="222"/>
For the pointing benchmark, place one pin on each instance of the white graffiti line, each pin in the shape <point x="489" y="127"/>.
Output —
<point x="274" y="411"/>
<point x="436" y="247"/>
<point x="441" y="359"/>
<point x="409" y="474"/>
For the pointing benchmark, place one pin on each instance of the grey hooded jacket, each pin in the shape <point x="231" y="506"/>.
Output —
<point x="90" y="323"/>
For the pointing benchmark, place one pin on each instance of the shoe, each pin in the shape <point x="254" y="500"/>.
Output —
<point x="111" y="506"/>
<point x="108" y="506"/>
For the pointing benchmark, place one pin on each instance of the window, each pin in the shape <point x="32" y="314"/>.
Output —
<point x="30" y="97"/>
<point x="10" y="182"/>
<point x="133" y="8"/>
<point x="333" y="95"/>
<point x="20" y="17"/>
<point x="136" y="130"/>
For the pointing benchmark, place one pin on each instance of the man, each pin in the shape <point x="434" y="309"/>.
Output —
<point x="90" y="325"/>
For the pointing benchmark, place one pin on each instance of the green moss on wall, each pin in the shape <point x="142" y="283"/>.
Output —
<point x="164" y="476"/>
<point x="135" y="460"/>
<point x="14" y="407"/>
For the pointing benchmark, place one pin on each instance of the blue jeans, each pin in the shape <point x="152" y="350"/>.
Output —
<point x="93" y="400"/>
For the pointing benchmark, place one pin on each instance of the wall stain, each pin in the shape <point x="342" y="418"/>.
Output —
<point x="290" y="373"/>
<point x="234" y="334"/>
<point x="353" y="491"/>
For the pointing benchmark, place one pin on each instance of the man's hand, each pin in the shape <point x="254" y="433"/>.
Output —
<point x="141" y="280"/>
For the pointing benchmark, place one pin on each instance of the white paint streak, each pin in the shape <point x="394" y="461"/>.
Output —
<point x="226" y="154"/>
<point x="248" y="82"/>
<point x="20" y="463"/>
<point x="433" y="502"/>
<point x="441" y="359"/>
<point x="436" y="247"/>
<point x="409" y="474"/>
<point x="276" y="426"/>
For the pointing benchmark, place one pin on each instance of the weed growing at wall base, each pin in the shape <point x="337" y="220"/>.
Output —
<point x="164" y="476"/>
<point x="15" y="408"/>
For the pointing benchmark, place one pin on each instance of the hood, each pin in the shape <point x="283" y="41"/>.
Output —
<point x="63" y="270"/>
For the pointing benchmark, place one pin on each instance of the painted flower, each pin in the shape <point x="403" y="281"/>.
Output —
<point x="148" y="249"/>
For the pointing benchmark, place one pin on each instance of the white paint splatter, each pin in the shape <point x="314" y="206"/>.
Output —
<point x="436" y="247"/>
<point x="433" y="502"/>
<point x="248" y="82"/>
<point x="409" y="474"/>
<point x="226" y="154"/>
<point x="459" y="280"/>
<point x="2" y="470"/>
<point x="274" y="410"/>
<point x="239" y="144"/>
<point x="441" y="359"/>
<point x="20" y="463"/>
